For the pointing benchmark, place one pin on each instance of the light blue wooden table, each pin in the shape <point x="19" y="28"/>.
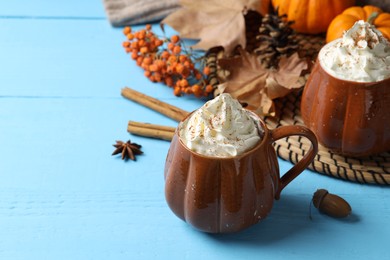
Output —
<point x="62" y="194"/>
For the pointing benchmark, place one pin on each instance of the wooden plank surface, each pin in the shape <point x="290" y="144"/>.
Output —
<point x="62" y="194"/>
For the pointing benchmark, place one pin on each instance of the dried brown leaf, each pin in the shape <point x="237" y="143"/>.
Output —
<point x="250" y="82"/>
<point x="280" y="82"/>
<point x="213" y="22"/>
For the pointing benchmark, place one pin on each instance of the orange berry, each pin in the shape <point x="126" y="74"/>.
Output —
<point x="171" y="69"/>
<point x="152" y="47"/>
<point x="195" y="88"/>
<point x="179" y="68"/>
<point x="147" y="60"/>
<point x="188" y="91"/>
<point x="183" y="83"/>
<point x="141" y="43"/>
<point x="151" y="78"/>
<point x="144" y="66"/>
<point x="126" y="30"/>
<point x="134" y="55"/>
<point x="153" y="67"/>
<point x="198" y="75"/>
<point x="175" y="38"/>
<point x="183" y="58"/>
<point x="134" y="45"/>
<point x="171" y="46"/>
<point x="164" y="70"/>
<point x="209" y="89"/>
<point x="177" y="91"/>
<point x="177" y="85"/>
<point x="152" y="55"/>
<point x="158" y="42"/>
<point x="206" y="70"/>
<point x="172" y="59"/>
<point x="139" y="60"/>
<point x="176" y="49"/>
<point x="157" y="77"/>
<point x="165" y="55"/>
<point x="187" y="64"/>
<point x="150" y="35"/>
<point x="144" y="50"/>
<point x="147" y="73"/>
<point x="169" y="81"/>
<point x="161" y="63"/>
<point x="125" y="44"/>
<point x="148" y="27"/>
<point x="185" y="73"/>
<point x="141" y="34"/>
<point x="128" y="50"/>
<point x="130" y="36"/>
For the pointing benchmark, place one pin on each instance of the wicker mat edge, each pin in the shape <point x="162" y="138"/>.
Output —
<point x="368" y="170"/>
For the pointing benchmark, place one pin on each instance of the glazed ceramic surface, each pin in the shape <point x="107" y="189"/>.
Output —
<point x="221" y="195"/>
<point x="351" y="118"/>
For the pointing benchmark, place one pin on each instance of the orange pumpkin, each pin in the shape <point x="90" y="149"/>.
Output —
<point x="311" y="16"/>
<point x="264" y="6"/>
<point x="351" y="15"/>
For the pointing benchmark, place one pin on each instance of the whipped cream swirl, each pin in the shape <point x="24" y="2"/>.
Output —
<point x="362" y="55"/>
<point x="220" y="128"/>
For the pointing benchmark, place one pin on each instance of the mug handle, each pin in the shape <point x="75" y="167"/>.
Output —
<point x="285" y="131"/>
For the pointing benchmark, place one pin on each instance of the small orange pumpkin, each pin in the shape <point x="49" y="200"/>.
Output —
<point x="351" y="15"/>
<point x="311" y="16"/>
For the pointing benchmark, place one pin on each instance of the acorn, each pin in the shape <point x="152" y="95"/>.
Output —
<point x="331" y="204"/>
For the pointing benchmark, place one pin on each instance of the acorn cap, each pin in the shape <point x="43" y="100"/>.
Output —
<point x="318" y="197"/>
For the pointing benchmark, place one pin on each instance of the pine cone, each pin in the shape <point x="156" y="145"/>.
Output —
<point x="252" y="24"/>
<point x="275" y="38"/>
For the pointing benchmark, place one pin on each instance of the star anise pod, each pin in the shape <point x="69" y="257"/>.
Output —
<point x="127" y="149"/>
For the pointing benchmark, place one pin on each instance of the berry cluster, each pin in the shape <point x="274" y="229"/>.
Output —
<point x="165" y="60"/>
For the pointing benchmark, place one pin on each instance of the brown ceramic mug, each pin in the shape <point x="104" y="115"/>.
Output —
<point x="350" y="118"/>
<point x="222" y="195"/>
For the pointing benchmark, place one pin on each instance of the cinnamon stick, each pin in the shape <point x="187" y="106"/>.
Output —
<point x="151" y="130"/>
<point x="164" y="108"/>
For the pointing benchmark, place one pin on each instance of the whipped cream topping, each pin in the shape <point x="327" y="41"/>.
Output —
<point x="220" y="128"/>
<point x="361" y="55"/>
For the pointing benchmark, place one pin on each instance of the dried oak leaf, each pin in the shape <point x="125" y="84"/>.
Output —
<point x="251" y="83"/>
<point x="214" y="22"/>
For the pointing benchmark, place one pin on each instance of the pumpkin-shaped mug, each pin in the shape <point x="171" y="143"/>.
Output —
<point x="348" y="117"/>
<point x="229" y="194"/>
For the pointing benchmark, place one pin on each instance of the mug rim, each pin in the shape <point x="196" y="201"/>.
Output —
<point x="360" y="84"/>
<point x="258" y="121"/>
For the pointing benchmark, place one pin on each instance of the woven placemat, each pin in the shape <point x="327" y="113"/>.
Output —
<point x="367" y="170"/>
